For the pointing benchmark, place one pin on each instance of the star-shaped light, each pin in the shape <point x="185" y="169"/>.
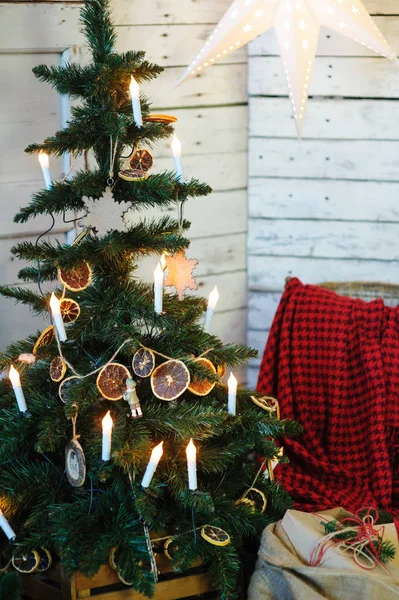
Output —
<point x="297" y="24"/>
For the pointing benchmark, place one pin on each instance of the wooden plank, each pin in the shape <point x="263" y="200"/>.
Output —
<point x="232" y="289"/>
<point x="327" y="159"/>
<point x="230" y="326"/>
<point x="328" y="118"/>
<point x="262" y="307"/>
<point x="269" y="273"/>
<point x="224" y="84"/>
<point x="163" y="44"/>
<point x="257" y="339"/>
<point x="319" y="199"/>
<point x="252" y="377"/>
<point x="331" y="239"/>
<point x="332" y="76"/>
<point x="332" y="43"/>
<point x="208" y="130"/>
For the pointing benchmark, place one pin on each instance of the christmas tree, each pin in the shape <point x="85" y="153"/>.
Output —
<point x="116" y="426"/>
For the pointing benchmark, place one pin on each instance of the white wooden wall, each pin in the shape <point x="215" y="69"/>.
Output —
<point x="325" y="208"/>
<point x="212" y="113"/>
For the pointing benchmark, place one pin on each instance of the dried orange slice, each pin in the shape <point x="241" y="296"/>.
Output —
<point x="45" y="338"/>
<point x="170" y="379"/>
<point x="65" y="387"/>
<point x="158" y="118"/>
<point x="141" y="160"/>
<point x="70" y="310"/>
<point x="257" y="497"/>
<point x="57" y="369"/>
<point x="246" y="502"/>
<point x="45" y="560"/>
<point x="76" y="279"/>
<point x="221" y="370"/>
<point x="26" y="563"/>
<point x="202" y="387"/>
<point x="143" y="362"/>
<point x="215" y="535"/>
<point x="133" y="174"/>
<point x="170" y="548"/>
<point x="111" y="381"/>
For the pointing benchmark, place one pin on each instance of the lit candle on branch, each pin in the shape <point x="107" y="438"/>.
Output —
<point x="163" y="261"/>
<point x="45" y="165"/>
<point x="55" y="306"/>
<point x="232" y="398"/>
<point x="107" y="424"/>
<point x="18" y="391"/>
<point x="152" y="465"/>
<point x="136" y="106"/>
<point x="158" y="289"/>
<point x="213" y="300"/>
<point x="191" y="452"/>
<point x="176" y="149"/>
<point x="6" y="527"/>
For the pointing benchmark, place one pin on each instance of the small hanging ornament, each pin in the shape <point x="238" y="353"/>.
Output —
<point x="143" y="362"/>
<point x="104" y="213"/>
<point x="268" y="403"/>
<point x="136" y="167"/>
<point x="75" y="461"/>
<point x="179" y="274"/>
<point x="70" y="310"/>
<point x="170" y="379"/>
<point x="132" y="399"/>
<point x="57" y="369"/>
<point x="272" y="464"/>
<point x="76" y="279"/>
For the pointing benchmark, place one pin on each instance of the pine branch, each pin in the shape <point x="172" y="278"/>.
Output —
<point x="25" y="296"/>
<point x="98" y="28"/>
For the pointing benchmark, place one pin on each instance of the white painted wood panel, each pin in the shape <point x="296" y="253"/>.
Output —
<point x="325" y="159"/>
<point x="332" y="76"/>
<point x="328" y="118"/>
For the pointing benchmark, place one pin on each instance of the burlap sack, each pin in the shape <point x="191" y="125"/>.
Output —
<point x="282" y="571"/>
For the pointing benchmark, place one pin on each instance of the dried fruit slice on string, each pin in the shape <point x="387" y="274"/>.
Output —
<point x="159" y="118"/>
<point x="170" y="379"/>
<point x="257" y="497"/>
<point x="113" y="563"/>
<point x="57" y="369"/>
<point x="26" y="563"/>
<point x="141" y="160"/>
<point x="133" y="174"/>
<point x="143" y="362"/>
<point x="111" y="381"/>
<point x="202" y="387"/>
<point x="65" y="387"/>
<point x="76" y="279"/>
<point x="45" y="560"/>
<point x="44" y="339"/>
<point x="246" y="502"/>
<point x="221" y="370"/>
<point x="170" y="548"/>
<point x="215" y="535"/>
<point x="70" y="310"/>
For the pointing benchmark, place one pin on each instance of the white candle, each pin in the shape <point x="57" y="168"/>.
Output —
<point x="213" y="300"/>
<point x="152" y="465"/>
<point x="163" y="261"/>
<point x="176" y="149"/>
<point x="107" y="435"/>
<point x="45" y="165"/>
<point x="18" y="391"/>
<point x="135" y="95"/>
<point x="57" y="318"/>
<point x="6" y="527"/>
<point x="191" y="452"/>
<point x="231" y="403"/>
<point x="158" y="289"/>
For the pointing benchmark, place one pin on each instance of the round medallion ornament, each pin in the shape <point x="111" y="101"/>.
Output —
<point x="75" y="463"/>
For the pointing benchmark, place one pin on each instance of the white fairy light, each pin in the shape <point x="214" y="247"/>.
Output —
<point x="246" y="19"/>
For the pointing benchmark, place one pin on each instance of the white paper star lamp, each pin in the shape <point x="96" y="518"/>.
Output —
<point x="297" y="24"/>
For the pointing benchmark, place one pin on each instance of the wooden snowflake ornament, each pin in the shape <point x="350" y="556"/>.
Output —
<point x="180" y="271"/>
<point x="104" y="214"/>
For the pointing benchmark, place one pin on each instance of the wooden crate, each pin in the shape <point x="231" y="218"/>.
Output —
<point x="105" y="585"/>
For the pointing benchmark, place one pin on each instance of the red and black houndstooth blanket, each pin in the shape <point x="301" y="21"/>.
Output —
<point x="333" y="364"/>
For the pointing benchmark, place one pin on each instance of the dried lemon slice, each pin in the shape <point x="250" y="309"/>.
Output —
<point x="111" y="381"/>
<point x="143" y="362"/>
<point x="45" y="338"/>
<point x="45" y="560"/>
<point x="57" y="369"/>
<point x="26" y="563"/>
<point x="170" y="547"/>
<point x="76" y="279"/>
<point x="257" y="497"/>
<point x="70" y="310"/>
<point x="215" y="535"/>
<point x="65" y="387"/>
<point x="170" y="379"/>
<point x="202" y="387"/>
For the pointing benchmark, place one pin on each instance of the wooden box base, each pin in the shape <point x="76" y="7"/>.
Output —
<point x="105" y="585"/>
